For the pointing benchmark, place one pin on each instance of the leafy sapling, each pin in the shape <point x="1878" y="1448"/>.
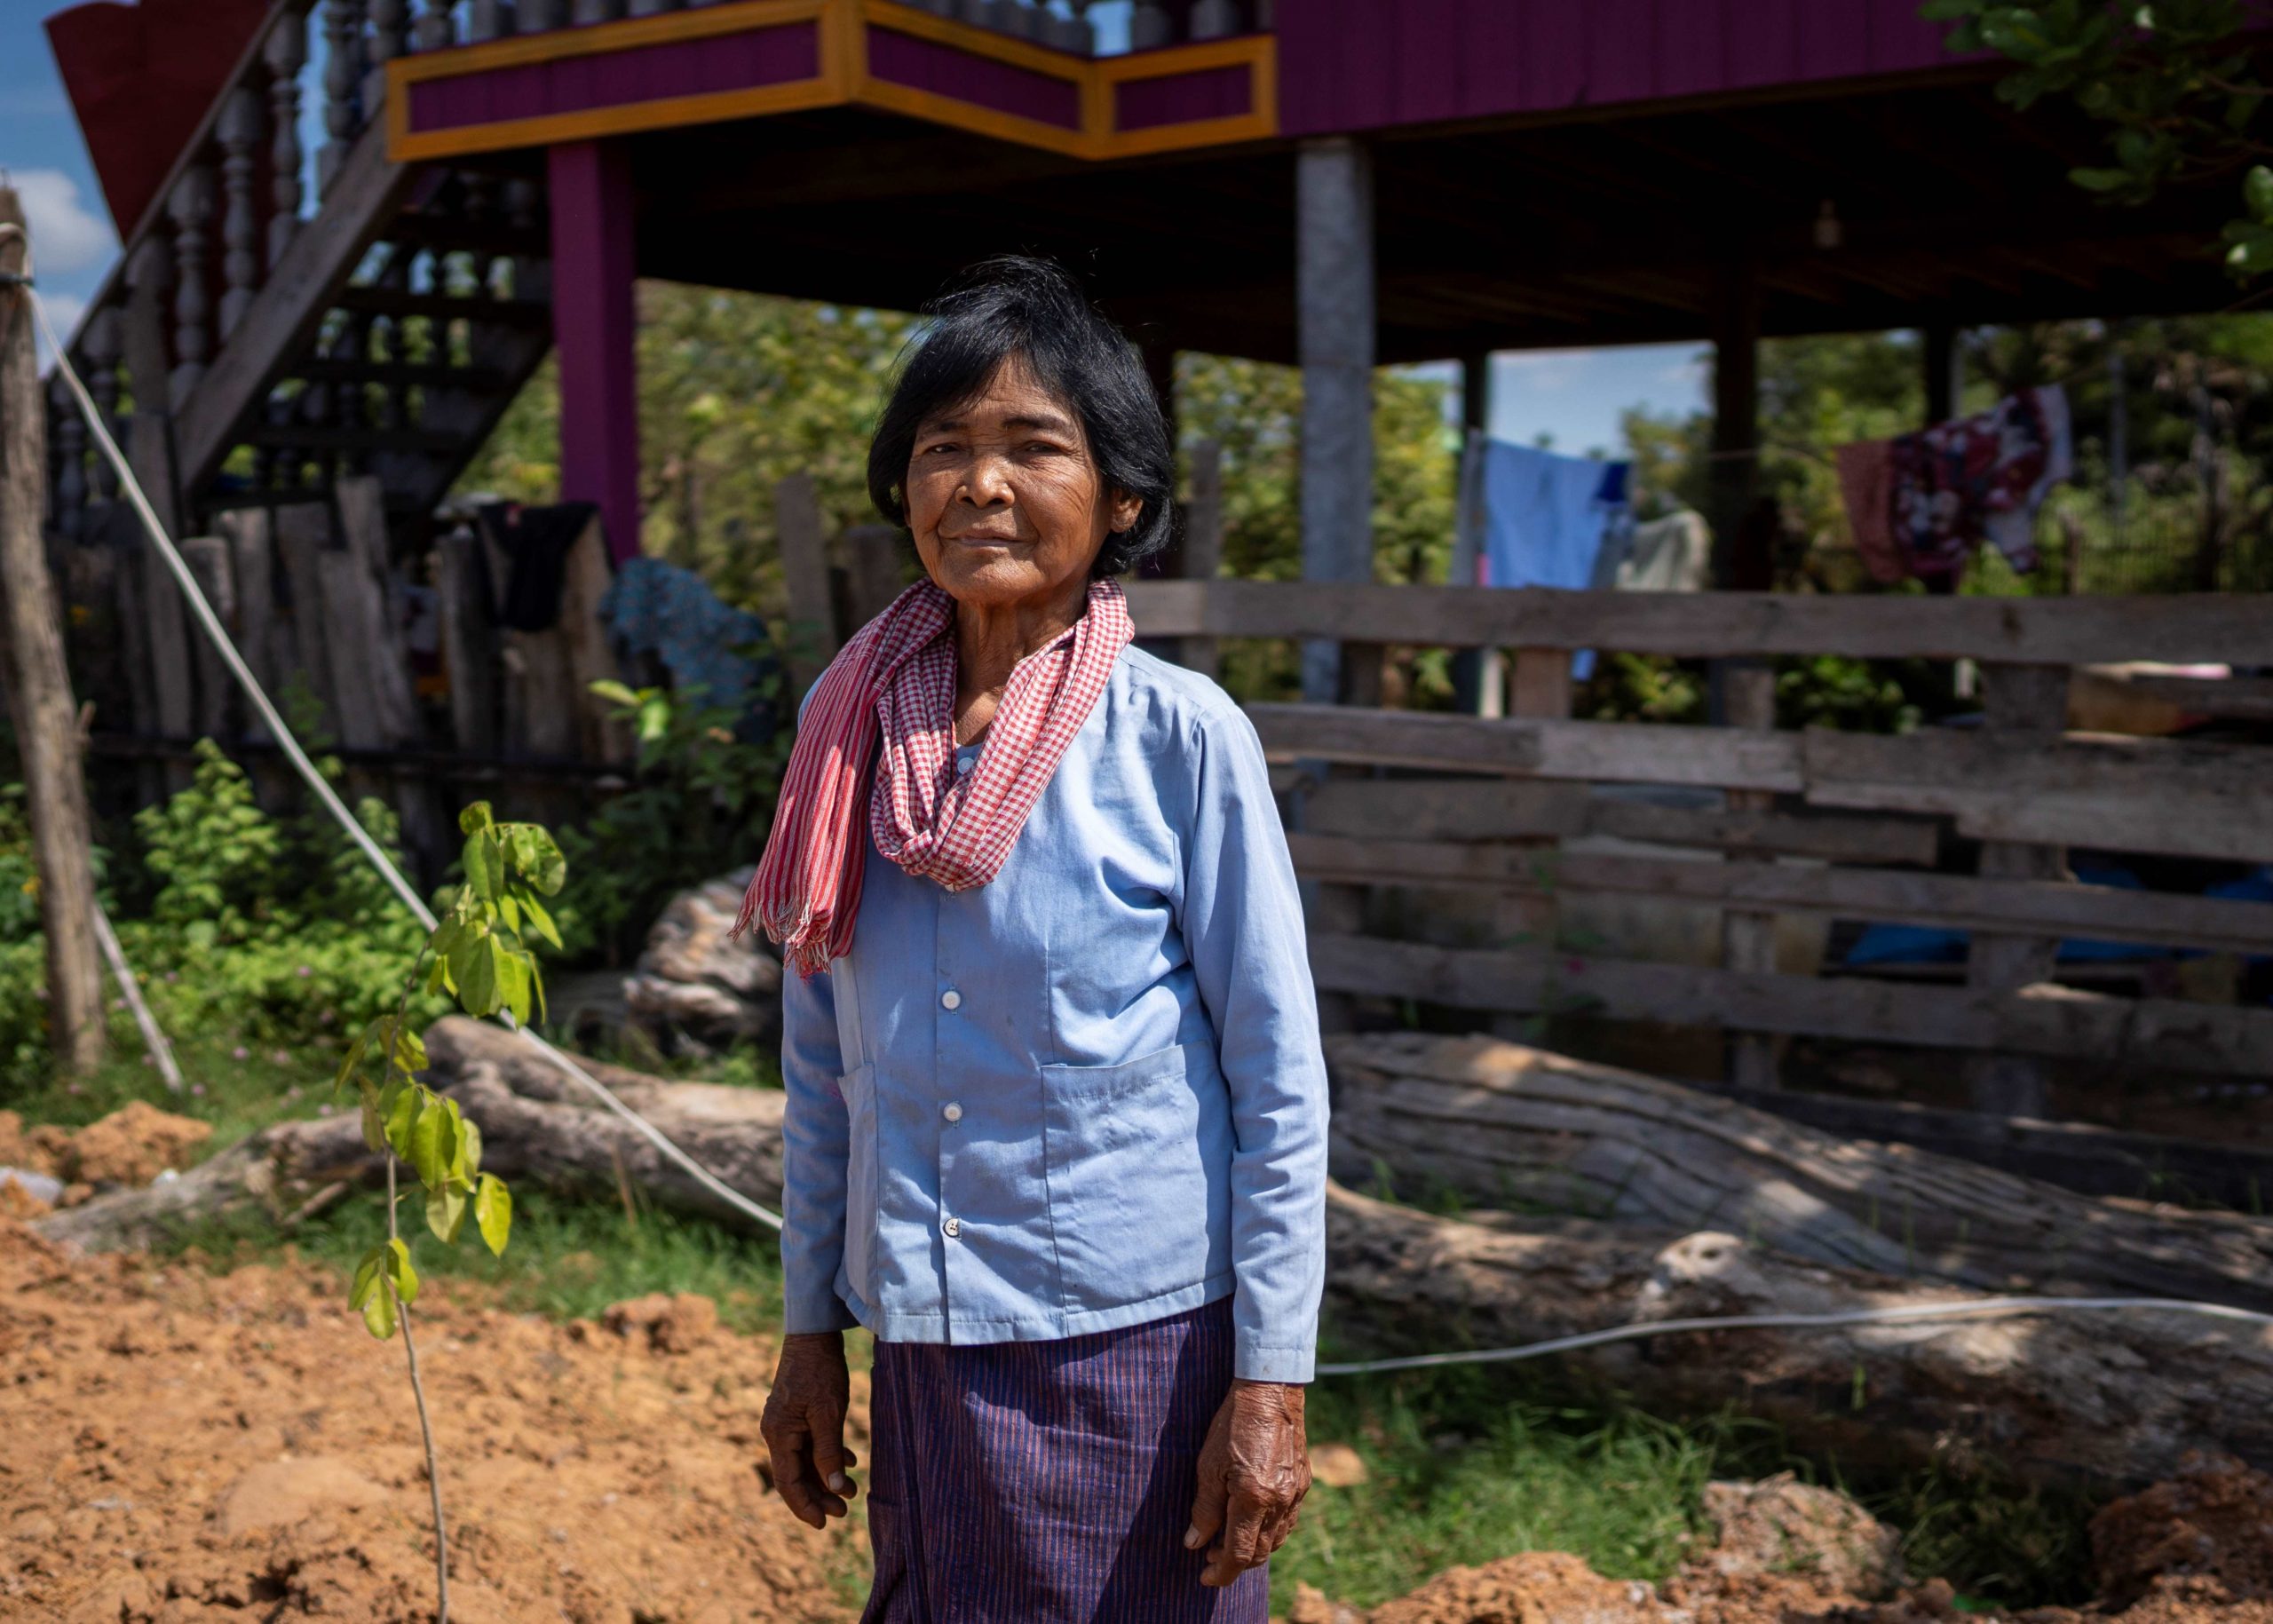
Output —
<point x="477" y="954"/>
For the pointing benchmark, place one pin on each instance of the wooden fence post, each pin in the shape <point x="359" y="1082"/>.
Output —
<point x="2021" y="700"/>
<point x="1748" y="941"/>
<point x="1203" y="543"/>
<point x="39" y="684"/>
<point x="812" y="641"/>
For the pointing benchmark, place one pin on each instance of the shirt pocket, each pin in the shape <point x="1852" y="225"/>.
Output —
<point x="1138" y="1160"/>
<point x="858" y="1088"/>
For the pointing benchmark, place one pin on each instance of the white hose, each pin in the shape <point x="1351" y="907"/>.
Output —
<point x="1982" y="1307"/>
<point x="219" y="637"/>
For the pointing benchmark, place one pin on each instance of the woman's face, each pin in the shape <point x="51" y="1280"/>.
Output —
<point x="1004" y="497"/>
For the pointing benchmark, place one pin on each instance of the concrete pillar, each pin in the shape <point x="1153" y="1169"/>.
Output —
<point x="1334" y="278"/>
<point x="594" y="330"/>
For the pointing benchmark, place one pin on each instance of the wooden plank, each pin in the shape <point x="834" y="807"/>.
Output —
<point x="468" y="642"/>
<point x="355" y="648"/>
<point x="208" y="558"/>
<point x="873" y="556"/>
<point x="538" y="671"/>
<point x="2174" y="796"/>
<point x="813" y="641"/>
<point x="303" y="533"/>
<point x="2078" y="1156"/>
<point x="251" y="569"/>
<point x="1952" y="901"/>
<point x="2181" y="629"/>
<point x="383" y="652"/>
<point x="1515" y="808"/>
<point x="149" y="442"/>
<point x="2237" y="699"/>
<point x="2024" y="702"/>
<point x="2177" y="798"/>
<point x="1624" y="752"/>
<point x="586" y="575"/>
<point x="2139" y="1033"/>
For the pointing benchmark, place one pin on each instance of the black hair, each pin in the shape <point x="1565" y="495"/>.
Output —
<point x="1013" y="307"/>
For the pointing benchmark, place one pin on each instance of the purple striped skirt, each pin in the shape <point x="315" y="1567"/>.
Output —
<point x="1050" y="1482"/>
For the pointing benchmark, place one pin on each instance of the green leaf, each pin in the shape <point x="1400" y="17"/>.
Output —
<point x="485" y="867"/>
<point x="433" y="1143"/>
<point x="2099" y="180"/>
<point x="438" y="977"/>
<point x="474" y="967"/>
<point x="508" y="910"/>
<point x="2257" y="190"/>
<point x="512" y="970"/>
<point x="446" y="1214"/>
<point x="475" y="818"/>
<point x="378" y="1315"/>
<point x="448" y="934"/>
<point x="537" y="855"/>
<point x="354" y="1057"/>
<point x="397" y="1264"/>
<point x="409" y="1050"/>
<point x="616" y="693"/>
<point x="655" y="720"/>
<point x="470" y="1137"/>
<point x="539" y="919"/>
<point x="492" y="1212"/>
<point x="460" y="1174"/>
<point x="367" y="1277"/>
<point x="375" y="1127"/>
<point x="1948" y="11"/>
<point x="399" y="1113"/>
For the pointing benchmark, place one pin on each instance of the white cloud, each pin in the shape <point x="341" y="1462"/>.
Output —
<point x="1542" y="371"/>
<point x="67" y="237"/>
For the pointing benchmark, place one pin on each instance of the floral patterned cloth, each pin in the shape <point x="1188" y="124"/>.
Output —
<point x="1920" y="503"/>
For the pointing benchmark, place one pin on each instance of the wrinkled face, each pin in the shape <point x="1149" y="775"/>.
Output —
<point x="1005" y="498"/>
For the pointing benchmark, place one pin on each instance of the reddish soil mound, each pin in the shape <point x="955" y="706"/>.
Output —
<point x="2213" y="1521"/>
<point x="131" y="1145"/>
<point x="177" y="1446"/>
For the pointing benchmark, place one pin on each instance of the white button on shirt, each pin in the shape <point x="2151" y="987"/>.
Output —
<point x="951" y="999"/>
<point x="951" y="1228"/>
<point x="964" y="764"/>
<point x="952" y="1111"/>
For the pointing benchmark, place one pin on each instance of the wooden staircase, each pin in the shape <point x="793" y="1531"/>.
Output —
<point x="264" y="337"/>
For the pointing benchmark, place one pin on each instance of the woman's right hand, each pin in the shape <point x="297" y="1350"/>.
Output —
<point x="803" y="1427"/>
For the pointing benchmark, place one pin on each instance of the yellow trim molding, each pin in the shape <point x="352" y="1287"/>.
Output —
<point x="842" y="29"/>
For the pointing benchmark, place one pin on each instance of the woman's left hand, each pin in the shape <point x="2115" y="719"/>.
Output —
<point x="1253" y="1470"/>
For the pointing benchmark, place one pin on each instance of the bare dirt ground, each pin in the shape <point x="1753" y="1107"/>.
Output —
<point x="178" y="1446"/>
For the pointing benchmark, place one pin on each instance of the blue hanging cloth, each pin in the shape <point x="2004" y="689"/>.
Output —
<point x="1546" y="517"/>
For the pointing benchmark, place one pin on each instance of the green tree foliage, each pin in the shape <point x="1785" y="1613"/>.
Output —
<point x="2172" y="80"/>
<point x="736" y="391"/>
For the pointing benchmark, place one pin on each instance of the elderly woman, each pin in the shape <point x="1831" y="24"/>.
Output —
<point x="1057" y="1111"/>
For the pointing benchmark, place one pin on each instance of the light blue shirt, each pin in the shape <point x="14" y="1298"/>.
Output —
<point x="1088" y="1094"/>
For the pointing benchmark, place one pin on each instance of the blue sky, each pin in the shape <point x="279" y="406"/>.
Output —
<point x="1575" y="395"/>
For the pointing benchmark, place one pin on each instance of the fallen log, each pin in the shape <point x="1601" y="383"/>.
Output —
<point x="2106" y="1396"/>
<point x="2117" y="1397"/>
<point x="1504" y="1126"/>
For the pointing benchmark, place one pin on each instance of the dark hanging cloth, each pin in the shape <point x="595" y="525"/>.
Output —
<point x="535" y="542"/>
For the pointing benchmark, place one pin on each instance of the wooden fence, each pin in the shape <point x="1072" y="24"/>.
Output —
<point x="1804" y="824"/>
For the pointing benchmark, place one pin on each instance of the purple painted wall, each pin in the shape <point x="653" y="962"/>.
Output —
<point x="981" y="81"/>
<point x="1179" y="99"/>
<point x="1362" y="64"/>
<point x="618" y="78"/>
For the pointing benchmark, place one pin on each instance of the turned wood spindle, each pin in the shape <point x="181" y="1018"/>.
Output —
<point x="190" y="209"/>
<point x="240" y="133"/>
<point x="285" y="54"/>
<point x="343" y="85"/>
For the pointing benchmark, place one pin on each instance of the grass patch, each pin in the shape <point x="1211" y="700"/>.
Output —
<point x="570" y="1258"/>
<point x="239" y="1089"/>
<point x="1463" y="1469"/>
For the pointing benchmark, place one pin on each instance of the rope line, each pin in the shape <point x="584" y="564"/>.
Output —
<point x="1984" y="1308"/>
<point x="218" y="635"/>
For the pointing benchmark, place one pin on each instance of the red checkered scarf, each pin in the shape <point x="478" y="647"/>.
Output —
<point x="896" y="678"/>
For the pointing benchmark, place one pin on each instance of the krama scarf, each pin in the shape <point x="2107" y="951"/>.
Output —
<point x="896" y="681"/>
